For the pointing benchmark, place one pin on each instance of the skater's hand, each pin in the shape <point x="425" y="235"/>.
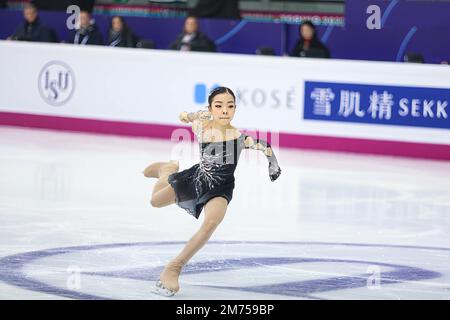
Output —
<point x="274" y="171"/>
<point x="184" y="117"/>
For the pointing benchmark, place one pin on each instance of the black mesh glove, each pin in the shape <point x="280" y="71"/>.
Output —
<point x="274" y="171"/>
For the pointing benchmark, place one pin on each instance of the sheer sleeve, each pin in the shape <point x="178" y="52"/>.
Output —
<point x="266" y="148"/>
<point x="199" y="119"/>
<point x="199" y="115"/>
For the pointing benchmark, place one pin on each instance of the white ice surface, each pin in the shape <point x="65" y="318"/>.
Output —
<point x="61" y="189"/>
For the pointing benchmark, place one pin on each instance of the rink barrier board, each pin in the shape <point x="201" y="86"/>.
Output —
<point x="302" y="100"/>
<point x="286" y="140"/>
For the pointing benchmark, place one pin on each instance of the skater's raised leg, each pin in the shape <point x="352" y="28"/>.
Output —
<point x="163" y="193"/>
<point x="152" y="171"/>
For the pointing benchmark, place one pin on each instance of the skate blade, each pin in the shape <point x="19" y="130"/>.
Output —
<point x="161" y="290"/>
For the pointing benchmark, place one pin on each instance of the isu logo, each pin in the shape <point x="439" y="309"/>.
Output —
<point x="56" y="83"/>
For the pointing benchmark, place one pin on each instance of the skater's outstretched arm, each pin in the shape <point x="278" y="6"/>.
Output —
<point x="264" y="146"/>
<point x="198" y="119"/>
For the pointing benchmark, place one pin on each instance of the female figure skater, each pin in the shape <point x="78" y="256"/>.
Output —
<point x="208" y="184"/>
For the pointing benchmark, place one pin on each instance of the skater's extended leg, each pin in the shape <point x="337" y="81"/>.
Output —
<point x="214" y="211"/>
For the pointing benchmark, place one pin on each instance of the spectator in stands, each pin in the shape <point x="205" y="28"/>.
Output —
<point x="225" y="9"/>
<point x="192" y="39"/>
<point x="308" y="45"/>
<point x="33" y="28"/>
<point x="120" y="35"/>
<point x="88" y="33"/>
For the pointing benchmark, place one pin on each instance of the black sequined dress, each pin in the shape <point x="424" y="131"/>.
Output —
<point x="213" y="176"/>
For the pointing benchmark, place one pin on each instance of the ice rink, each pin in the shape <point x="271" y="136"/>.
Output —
<point x="76" y="222"/>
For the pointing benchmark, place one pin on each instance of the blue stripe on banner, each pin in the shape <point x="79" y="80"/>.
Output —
<point x="388" y="11"/>
<point x="327" y="34"/>
<point x="405" y="42"/>
<point x="231" y="33"/>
